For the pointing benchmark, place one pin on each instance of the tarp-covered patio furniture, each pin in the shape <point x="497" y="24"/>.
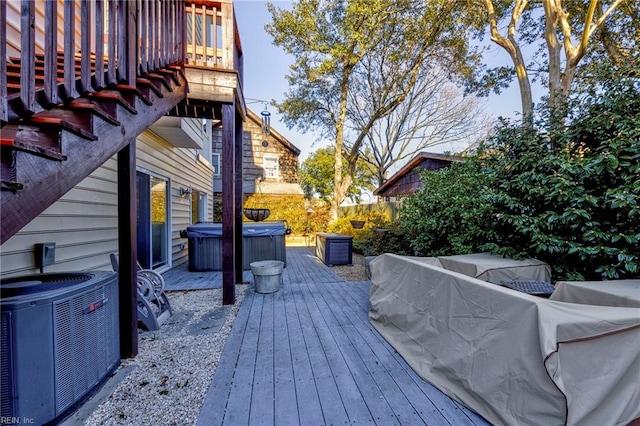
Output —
<point x="514" y="358"/>
<point x="623" y="293"/>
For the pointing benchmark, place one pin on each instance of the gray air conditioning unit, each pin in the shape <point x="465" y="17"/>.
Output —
<point x="59" y="339"/>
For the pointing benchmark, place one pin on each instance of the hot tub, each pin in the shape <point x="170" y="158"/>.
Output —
<point x="261" y="241"/>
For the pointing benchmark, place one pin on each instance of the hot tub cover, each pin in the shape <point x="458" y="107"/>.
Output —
<point x="514" y="358"/>
<point x="214" y="229"/>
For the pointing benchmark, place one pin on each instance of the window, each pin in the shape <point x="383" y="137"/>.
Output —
<point x="215" y="162"/>
<point x="270" y="165"/>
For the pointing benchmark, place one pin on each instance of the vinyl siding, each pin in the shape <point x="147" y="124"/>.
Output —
<point x="83" y="224"/>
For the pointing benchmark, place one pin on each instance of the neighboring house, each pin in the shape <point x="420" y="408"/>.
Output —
<point x="173" y="180"/>
<point x="270" y="162"/>
<point x="407" y="180"/>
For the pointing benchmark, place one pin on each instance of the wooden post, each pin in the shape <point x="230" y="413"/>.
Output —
<point x="214" y="43"/>
<point x="228" y="39"/>
<point x="113" y="40"/>
<point x="228" y="205"/>
<point x="69" y="50"/>
<point x="99" y="81"/>
<point x="132" y="42"/>
<point x="153" y="35"/>
<point x="4" y="105"/>
<point x="127" y="250"/>
<point x="192" y="59"/>
<point x="127" y="42"/>
<point x="144" y="37"/>
<point x="27" y="53"/>
<point x="86" y="28"/>
<point x="238" y="195"/>
<point x="50" y="52"/>
<point x="203" y="44"/>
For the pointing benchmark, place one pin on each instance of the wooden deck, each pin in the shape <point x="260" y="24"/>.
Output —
<point x="307" y="355"/>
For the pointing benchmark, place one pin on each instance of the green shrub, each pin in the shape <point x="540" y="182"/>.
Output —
<point x="570" y="196"/>
<point x="449" y="215"/>
<point x="293" y="209"/>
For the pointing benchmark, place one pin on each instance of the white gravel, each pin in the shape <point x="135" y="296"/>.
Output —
<point x="173" y="371"/>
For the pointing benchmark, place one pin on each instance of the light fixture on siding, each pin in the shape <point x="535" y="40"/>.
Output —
<point x="185" y="191"/>
<point x="266" y="121"/>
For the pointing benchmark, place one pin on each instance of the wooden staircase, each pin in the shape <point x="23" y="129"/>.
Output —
<point x="63" y="116"/>
<point x="45" y="154"/>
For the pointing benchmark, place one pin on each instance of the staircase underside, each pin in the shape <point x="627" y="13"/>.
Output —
<point x="46" y="154"/>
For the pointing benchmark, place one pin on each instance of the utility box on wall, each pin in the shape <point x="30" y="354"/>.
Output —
<point x="334" y="249"/>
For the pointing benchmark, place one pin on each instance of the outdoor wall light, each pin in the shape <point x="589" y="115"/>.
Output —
<point x="185" y="191"/>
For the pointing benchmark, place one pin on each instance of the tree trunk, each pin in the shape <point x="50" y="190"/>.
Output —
<point x="526" y="98"/>
<point x="557" y="18"/>
<point x="554" y="49"/>
<point x="510" y="44"/>
<point x="338" y="193"/>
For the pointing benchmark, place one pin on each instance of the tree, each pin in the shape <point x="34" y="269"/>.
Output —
<point x="316" y="176"/>
<point x="449" y="215"/>
<point x="331" y="39"/>
<point x="435" y="113"/>
<point x="569" y="29"/>
<point x="574" y="203"/>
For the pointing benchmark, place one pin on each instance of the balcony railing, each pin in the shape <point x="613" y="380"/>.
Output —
<point x="212" y="36"/>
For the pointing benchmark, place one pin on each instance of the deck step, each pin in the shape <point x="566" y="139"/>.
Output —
<point x="87" y="105"/>
<point x="159" y="80"/>
<point x="31" y="139"/>
<point x="173" y="74"/>
<point x="131" y="92"/>
<point x="110" y="98"/>
<point x="145" y="84"/>
<point x="80" y="124"/>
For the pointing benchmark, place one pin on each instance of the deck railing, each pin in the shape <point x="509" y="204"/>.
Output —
<point x="212" y="36"/>
<point x="58" y="50"/>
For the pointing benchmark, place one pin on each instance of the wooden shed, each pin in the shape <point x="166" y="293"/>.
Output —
<point x="407" y="180"/>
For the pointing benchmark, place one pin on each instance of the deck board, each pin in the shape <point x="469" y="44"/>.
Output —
<point x="308" y="355"/>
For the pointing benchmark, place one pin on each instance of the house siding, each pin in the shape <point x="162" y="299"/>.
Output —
<point x="253" y="154"/>
<point x="84" y="222"/>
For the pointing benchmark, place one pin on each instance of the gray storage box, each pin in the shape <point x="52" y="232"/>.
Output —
<point x="261" y="241"/>
<point x="334" y="249"/>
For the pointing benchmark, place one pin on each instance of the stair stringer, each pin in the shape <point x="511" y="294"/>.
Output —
<point x="45" y="181"/>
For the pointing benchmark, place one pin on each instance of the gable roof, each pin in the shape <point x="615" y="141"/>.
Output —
<point x="276" y="135"/>
<point x="412" y="164"/>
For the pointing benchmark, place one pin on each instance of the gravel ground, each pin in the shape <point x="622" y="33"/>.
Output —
<point x="175" y="366"/>
<point x="356" y="272"/>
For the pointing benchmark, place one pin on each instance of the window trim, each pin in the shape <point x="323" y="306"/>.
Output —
<point x="216" y="163"/>
<point x="276" y="160"/>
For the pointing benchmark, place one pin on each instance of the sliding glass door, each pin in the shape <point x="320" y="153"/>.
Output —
<point x="153" y="220"/>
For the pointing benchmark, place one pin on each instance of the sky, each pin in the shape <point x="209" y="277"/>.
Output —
<point x="266" y="65"/>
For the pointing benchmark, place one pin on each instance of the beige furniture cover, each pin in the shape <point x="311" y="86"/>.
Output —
<point x="514" y="358"/>
<point x="494" y="269"/>
<point x="603" y="293"/>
